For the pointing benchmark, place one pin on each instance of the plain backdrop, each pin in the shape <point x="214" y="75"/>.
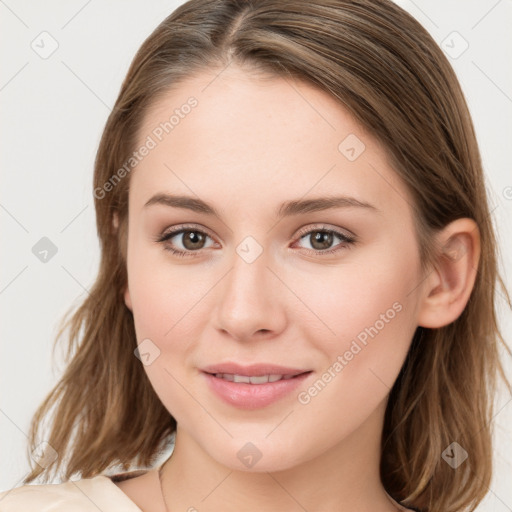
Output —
<point x="53" y="109"/>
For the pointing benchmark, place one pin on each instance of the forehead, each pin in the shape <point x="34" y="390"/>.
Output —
<point x="261" y="134"/>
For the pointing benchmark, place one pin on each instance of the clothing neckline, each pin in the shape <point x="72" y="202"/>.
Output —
<point x="121" y="477"/>
<point x="110" y="482"/>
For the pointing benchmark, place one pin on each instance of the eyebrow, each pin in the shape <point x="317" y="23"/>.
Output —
<point x="288" y="208"/>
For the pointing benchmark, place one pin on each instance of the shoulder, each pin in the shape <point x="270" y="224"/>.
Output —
<point x="85" y="495"/>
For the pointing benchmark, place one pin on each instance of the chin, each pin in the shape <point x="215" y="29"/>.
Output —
<point x="257" y="457"/>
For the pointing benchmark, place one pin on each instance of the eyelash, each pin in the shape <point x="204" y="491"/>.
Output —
<point x="346" y="239"/>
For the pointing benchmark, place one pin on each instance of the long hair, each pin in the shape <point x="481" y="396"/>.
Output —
<point x="379" y="63"/>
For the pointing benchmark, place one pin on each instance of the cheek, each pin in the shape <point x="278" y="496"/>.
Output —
<point x="365" y="311"/>
<point x="156" y="293"/>
<point x="161" y="292"/>
<point x="163" y="300"/>
<point x="372" y="314"/>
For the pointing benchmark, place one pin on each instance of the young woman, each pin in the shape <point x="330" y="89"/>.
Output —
<point x="297" y="276"/>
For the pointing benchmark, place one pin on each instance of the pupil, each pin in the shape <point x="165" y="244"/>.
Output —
<point x="194" y="238"/>
<point x="323" y="238"/>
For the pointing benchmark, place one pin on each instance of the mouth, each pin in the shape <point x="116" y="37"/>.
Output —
<point x="256" y="379"/>
<point x="254" y="391"/>
<point x="231" y="370"/>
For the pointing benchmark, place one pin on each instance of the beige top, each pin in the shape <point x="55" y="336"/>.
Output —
<point x="85" y="495"/>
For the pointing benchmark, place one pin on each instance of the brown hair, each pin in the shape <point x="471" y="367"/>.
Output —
<point x="385" y="68"/>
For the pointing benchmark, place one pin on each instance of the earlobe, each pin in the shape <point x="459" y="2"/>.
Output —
<point x="448" y="287"/>
<point x="128" y="299"/>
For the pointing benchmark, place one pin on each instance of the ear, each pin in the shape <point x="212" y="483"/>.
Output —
<point x="127" y="298"/>
<point x="447" y="288"/>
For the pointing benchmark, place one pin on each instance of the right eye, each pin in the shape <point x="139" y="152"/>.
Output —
<point x="189" y="240"/>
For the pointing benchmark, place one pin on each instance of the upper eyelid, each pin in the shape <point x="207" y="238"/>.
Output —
<point x="324" y="227"/>
<point x="185" y="227"/>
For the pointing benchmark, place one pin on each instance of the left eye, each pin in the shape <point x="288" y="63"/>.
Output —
<point x="321" y="239"/>
<point x="193" y="240"/>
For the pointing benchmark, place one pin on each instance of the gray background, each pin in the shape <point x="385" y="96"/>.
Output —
<point x="53" y="110"/>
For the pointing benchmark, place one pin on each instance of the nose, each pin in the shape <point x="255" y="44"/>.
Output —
<point x="250" y="299"/>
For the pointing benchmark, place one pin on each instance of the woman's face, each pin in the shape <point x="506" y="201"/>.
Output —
<point x="262" y="280"/>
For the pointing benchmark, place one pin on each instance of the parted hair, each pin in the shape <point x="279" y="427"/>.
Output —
<point x="382" y="65"/>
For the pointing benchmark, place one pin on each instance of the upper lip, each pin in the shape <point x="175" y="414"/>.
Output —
<point x="252" y="370"/>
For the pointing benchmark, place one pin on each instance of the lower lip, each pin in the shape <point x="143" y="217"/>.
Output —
<point x="253" y="396"/>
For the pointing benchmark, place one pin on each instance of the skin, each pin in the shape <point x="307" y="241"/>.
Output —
<point x="249" y="145"/>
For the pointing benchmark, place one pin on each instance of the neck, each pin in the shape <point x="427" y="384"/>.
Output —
<point x="344" y="478"/>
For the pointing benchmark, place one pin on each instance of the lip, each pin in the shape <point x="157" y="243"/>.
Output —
<point x="254" y="396"/>
<point x="253" y="370"/>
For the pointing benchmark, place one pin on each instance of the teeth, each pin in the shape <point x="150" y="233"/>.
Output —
<point x="261" y="379"/>
<point x="225" y="376"/>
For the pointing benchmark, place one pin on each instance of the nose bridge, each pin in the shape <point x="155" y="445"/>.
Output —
<point x="247" y="301"/>
<point x="248" y="277"/>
